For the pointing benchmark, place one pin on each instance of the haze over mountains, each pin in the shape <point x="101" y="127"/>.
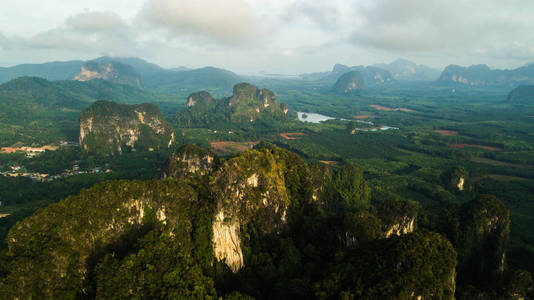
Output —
<point x="482" y="75"/>
<point x="182" y="81"/>
<point x="406" y="70"/>
<point x="131" y="71"/>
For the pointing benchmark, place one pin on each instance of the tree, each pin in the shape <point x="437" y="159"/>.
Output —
<point x="351" y="190"/>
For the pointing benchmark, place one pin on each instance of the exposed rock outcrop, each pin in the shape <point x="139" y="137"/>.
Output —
<point x="97" y="221"/>
<point x="111" y="128"/>
<point x="252" y="187"/>
<point x="110" y="71"/>
<point x="189" y="161"/>
<point x="398" y="217"/>
<point x="247" y="104"/>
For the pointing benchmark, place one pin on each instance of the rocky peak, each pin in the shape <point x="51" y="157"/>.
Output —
<point x="247" y="104"/>
<point x="200" y="98"/>
<point x="349" y="83"/>
<point x="397" y="217"/>
<point x="111" y="128"/>
<point x="188" y="161"/>
<point x="110" y="71"/>
<point x="247" y="93"/>
<point x="339" y="68"/>
<point x="252" y="186"/>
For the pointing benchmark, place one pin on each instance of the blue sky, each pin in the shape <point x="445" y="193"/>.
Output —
<point x="282" y="36"/>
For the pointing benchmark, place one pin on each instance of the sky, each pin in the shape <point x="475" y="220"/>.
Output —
<point x="272" y="36"/>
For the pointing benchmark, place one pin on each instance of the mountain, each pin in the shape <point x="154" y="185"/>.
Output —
<point x="133" y="71"/>
<point x="51" y="71"/>
<point x="246" y="105"/>
<point x="523" y="94"/>
<point x="482" y="75"/>
<point x="35" y="110"/>
<point x="349" y="83"/>
<point x="142" y="67"/>
<point x="214" y="80"/>
<point x="114" y="72"/>
<point x="69" y="69"/>
<point x="250" y="226"/>
<point x="111" y="128"/>
<point x="479" y="230"/>
<point x="402" y="69"/>
<point x="372" y="75"/>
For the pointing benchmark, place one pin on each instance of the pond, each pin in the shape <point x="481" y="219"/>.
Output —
<point x="317" y="118"/>
<point x="313" y="117"/>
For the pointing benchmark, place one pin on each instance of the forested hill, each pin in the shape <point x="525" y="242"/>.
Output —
<point x="264" y="224"/>
<point x="63" y="70"/>
<point x="31" y="108"/>
<point x="247" y="105"/>
<point x="132" y="71"/>
<point x="110" y="71"/>
<point x="523" y="94"/>
<point x="110" y="128"/>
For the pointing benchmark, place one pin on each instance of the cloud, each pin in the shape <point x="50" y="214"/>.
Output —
<point x="461" y="27"/>
<point x="412" y="25"/>
<point x="230" y="22"/>
<point x="4" y="43"/>
<point x="323" y="14"/>
<point x="88" y="32"/>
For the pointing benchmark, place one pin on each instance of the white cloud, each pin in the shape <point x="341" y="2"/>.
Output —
<point x="230" y="22"/>
<point x="88" y="32"/>
<point x="413" y="25"/>
<point x="279" y="35"/>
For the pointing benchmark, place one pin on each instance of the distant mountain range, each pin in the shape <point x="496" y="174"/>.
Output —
<point x="376" y="74"/>
<point x="372" y="76"/>
<point x="406" y="70"/>
<point x="482" y="75"/>
<point x="131" y="71"/>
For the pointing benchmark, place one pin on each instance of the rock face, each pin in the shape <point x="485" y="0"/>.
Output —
<point x="482" y="75"/>
<point x="246" y="192"/>
<point x="92" y="224"/>
<point x="200" y="99"/>
<point x="456" y="179"/>
<point x="397" y="217"/>
<point x="155" y="238"/>
<point x="189" y="161"/>
<point x="111" y="128"/>
<point x="111" y="71"/>
<point x="349" y="83"/>
<point x="250" y="187"/>
<point x="247" y="104"/>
